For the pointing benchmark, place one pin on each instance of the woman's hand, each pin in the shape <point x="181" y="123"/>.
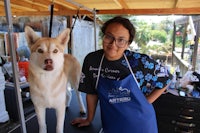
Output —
<point x="91" y="108"/>
<point x="81" y="122"/>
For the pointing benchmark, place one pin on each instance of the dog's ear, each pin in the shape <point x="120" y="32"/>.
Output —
<point x="64" y="36"/>
<point x="31" y="36"/>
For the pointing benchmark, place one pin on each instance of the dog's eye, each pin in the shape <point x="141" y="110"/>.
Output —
<point x="55" y="51"/>
<point x="40" y="51"/>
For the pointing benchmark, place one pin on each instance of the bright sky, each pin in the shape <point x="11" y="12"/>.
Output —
<point x="157" y="18"/>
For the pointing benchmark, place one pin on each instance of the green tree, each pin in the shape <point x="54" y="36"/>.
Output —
<point x="159" y="35"/>
<point x="166" y="25"/>
<point x="142" y="33"/>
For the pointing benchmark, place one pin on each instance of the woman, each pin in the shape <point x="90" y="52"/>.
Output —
<point x="125" y="82"/>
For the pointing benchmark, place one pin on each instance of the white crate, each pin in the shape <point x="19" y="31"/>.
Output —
<point x="3" y="113"/>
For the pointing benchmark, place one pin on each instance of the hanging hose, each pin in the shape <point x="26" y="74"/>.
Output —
<point x="74" y="21"/>
<point x="69" y="45"/>
<point x="51" y="18"/>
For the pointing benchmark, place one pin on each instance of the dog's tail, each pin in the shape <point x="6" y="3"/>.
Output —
<point x="72" y="70"/>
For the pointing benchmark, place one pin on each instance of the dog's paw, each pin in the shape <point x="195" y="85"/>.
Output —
<point x="82" y="113"/>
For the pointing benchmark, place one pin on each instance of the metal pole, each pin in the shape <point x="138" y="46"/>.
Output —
<point x="80" y="6"/>
<point x="14" y="66"/>
<point x="95" y="35"/>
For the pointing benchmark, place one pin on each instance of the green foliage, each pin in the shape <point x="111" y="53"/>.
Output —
<point x="142" y="33"/>
<point x="166" y="25"/>
<point x="159" y="35"/>
<point x="165" y="48"/>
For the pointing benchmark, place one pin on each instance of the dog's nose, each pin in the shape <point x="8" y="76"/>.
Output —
<point x="48" y="61"/>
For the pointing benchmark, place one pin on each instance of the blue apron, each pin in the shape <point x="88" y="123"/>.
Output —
<point x="124" y="108"/>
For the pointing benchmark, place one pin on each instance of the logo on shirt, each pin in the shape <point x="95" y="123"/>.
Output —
<point x="119" y="95"/>
<point x="82" y="77"/>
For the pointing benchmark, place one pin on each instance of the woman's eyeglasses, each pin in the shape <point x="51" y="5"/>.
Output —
<point x="120" y="42"/>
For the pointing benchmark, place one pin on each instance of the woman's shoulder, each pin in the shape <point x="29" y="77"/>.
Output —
<point x="96" y="53"/>
<point x="93" y="56"/>
<point x="136" y="55"/>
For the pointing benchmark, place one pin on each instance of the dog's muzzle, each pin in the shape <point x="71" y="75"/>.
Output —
<point x="48" y="64"/>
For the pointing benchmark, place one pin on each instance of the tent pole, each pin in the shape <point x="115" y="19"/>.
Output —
<point x="95" y="35"/>
<point x="14" y="66"/>
<point x="80" y="6"/>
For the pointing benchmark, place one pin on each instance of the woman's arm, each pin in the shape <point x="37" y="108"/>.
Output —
<point x="155" y="94"/>
<point x="92" y="100"/>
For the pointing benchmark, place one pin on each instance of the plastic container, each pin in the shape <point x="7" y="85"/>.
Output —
<point x="23" y="68"/>
<point x="173" y="82"/>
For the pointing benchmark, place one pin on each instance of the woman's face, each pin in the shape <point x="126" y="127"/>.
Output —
<point x="115" y="41"/>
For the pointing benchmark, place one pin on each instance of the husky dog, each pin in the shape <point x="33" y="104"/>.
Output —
<point x="49" y="72"/>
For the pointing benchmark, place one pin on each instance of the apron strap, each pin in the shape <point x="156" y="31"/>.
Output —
<point x="99" y="71"/>
<point x="131" y="71"/>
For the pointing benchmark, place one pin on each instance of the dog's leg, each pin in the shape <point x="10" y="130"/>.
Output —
<point x="60" y="114"/>
<point x="74" y="84"/>
<point x="40" y="111"/>
<point x="68" y="97"/>
<point x="74" y="81"/>
<point x="80" y="102"/>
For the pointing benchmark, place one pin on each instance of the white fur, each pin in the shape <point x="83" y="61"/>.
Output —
<point x="48" y="81"/>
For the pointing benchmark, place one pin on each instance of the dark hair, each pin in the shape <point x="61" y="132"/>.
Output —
<point x="123" y="21"/>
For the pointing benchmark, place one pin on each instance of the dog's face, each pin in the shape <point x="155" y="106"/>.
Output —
<point x="47" y="53"/>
